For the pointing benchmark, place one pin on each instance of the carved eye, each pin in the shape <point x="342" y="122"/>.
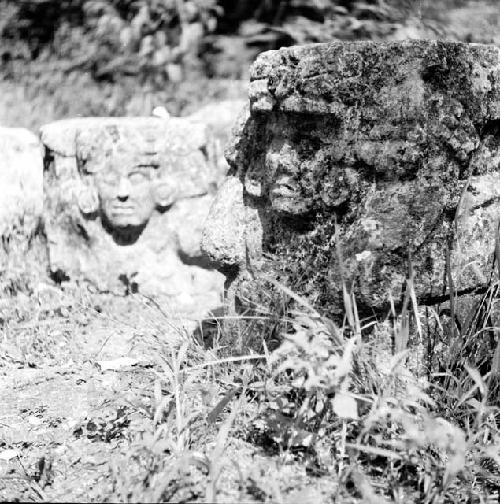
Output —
<point x="139" y="176"/>
<point x="109" y="178"/>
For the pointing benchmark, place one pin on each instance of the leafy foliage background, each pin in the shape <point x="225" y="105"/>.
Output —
<point x="108" y="52"/>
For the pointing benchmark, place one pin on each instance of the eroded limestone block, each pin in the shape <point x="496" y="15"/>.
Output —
<point x="360" y="158"/>
<point x="125" y="202"/>
<point x="21" y="181"/>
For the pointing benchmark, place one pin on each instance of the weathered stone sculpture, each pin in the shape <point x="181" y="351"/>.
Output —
<point x="125" y="199"/>
<point x="21" y="184"/>
<point x="357" y="160"/>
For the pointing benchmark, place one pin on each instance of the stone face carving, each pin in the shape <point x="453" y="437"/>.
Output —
<point x="21" y="167"/>
<point x="125" y="200"/>
<point x="359" y="159"/>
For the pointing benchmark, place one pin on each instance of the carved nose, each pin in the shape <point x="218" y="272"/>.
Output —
<point x="123" y="189"/>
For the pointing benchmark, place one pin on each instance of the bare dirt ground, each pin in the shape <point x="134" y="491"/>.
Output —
<point x="111" y="399"/>
<point x="78" y="423"/>
<point x="63" y="419"/>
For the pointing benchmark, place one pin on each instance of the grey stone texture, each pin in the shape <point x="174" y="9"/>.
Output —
<point x="125" y="202"/>
<point x="358" y="160"/>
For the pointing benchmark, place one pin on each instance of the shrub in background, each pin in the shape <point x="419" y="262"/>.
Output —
<point x="123" y="57"/>
<point x="168" y="40"/>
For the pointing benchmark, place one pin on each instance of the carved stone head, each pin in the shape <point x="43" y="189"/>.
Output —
<point x="120" y="170"/>
<point x="355" y="157"/>
<point x="126" y="195"/>
<point x="124" y="201"/>
<point x="128" y="172"/>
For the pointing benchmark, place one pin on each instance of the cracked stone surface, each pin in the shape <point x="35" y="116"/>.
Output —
<point x="358" y="160"/>
<point x="125" y="202"/>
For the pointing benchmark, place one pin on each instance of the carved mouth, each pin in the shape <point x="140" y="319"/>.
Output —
<point x="123" y="210"/>
<point x="283" y="189"/>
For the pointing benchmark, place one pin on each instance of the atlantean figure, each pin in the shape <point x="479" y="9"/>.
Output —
<point x="125" y="200"/>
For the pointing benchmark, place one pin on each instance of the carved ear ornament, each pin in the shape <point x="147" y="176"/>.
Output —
<point x="165" y="194"/>
<point x="253" y="184"/>
<point x="88" y="199"/>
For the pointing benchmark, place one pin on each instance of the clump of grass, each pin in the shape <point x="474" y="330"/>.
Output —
<point x="344" y="404"/>
<point x="332" y="400"/>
